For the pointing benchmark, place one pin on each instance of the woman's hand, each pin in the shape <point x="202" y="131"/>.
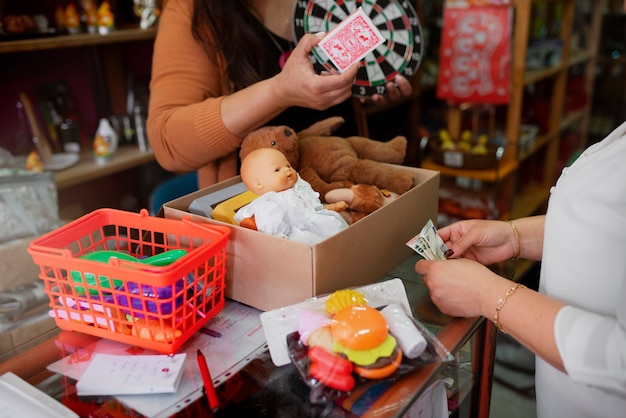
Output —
<point x="299" y="85"/>
<point x="490" y="242"/>
<point x="487" y="242"/>
<point x="462" y="287"/>
<point x="397" y="89"/>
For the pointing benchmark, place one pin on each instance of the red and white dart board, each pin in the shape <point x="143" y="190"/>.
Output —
<point x="401" y="53"/>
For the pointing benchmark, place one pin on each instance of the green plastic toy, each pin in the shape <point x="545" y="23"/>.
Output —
<point x="103" y="256"/>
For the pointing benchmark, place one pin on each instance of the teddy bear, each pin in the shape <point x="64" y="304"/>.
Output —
<point x="353" y="164"/>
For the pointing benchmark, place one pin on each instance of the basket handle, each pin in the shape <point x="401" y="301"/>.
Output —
<point x="206" y="226"/>
<point x="62" y="252"/>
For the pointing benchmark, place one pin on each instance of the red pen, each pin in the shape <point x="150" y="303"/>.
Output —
<point x="209" y="389"/>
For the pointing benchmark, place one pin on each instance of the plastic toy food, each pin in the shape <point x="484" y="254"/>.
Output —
<point x="313" y="329"/>
<point x="103" y="256"/>
<point x="350" y="337"/>
<point x="344" y="298"/>
<point x="361" y="334"/>
<point x="151" y="298"/>
<point x="330" y="369"/>
<point x="154" y="330"/>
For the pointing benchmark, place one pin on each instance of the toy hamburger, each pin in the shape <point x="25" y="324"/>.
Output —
<point x="361" y="334"/>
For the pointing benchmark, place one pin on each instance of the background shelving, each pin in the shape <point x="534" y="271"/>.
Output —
<point x="541" y="97"/>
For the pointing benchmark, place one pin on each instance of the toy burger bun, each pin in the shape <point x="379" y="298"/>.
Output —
<point x="362" y="335"/>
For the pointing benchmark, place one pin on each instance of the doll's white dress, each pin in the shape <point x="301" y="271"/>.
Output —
<point x="584" y="265"/>
<point x="296" y="213"/>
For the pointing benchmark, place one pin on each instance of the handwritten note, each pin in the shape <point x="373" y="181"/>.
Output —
<point x="110" y="374"/>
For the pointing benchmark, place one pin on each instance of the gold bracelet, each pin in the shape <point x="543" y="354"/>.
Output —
<point x="501" y="302"/>
<point x="519" y="244"/>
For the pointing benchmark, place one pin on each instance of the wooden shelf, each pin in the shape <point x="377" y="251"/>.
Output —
<point x="580" y="57"/>
<point x="572" y="118"/>
<point x="492" y="175"/>
<point x="526" y="197"/>
<point x="540" y="142"/>
<point x="81" y="39"/>
<point x="529" y="200"/>
<point x="89" y="185"/>
<point x="87" y="169"/>
<point x="576" y="57"/>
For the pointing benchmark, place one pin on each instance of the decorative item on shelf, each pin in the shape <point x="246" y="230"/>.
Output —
<point x="105" y="141"/>
<point x="148" y="11"/>
<point x="527" y="135"/>
<point x="40" y="139"/>
<point x="60" y="114"/>
<point x="475" y="52"/>
<point x="106" y="19"/>
<point x="89" y="15"/>
<point x="545" y="47"/>
<point x="473" y="149"/>
<point x="59" y="18"/>
<point x="544" y="53"/>
<point x="72" y="19"/>
<point x="33" y="162"/>
<point x="139" y="119"/>
<point x="468" y="152"/>
<point x="467" y="199"/>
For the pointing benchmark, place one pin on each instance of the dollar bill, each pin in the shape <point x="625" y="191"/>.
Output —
<point x="428" y="243"/>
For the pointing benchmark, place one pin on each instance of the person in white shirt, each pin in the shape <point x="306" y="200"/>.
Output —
<point x="287" y="205"/>
<point x="576" y="323"/>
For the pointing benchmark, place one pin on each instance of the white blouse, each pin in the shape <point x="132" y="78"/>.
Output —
<point x="296" y="213"/>
<point x="584" y="265"/>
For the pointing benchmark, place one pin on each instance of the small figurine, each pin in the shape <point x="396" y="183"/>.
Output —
<point x="287" y="206"/>
<point x="33" y="162"/>
<point x="148" y="11"/>
<point x="90" y="15"/>
<point x="72" y="19"/>
<point x="59" y="18"/>
<point x="106" y="19"/>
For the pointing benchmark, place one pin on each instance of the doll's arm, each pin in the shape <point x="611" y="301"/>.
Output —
<point x="317" y="183"/>
<point x="249" y="223"/>
<point x="336" y="206"/>
<point x="360" y="197"/>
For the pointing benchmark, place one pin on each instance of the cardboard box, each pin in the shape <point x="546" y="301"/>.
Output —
<point x="269" y="272"/>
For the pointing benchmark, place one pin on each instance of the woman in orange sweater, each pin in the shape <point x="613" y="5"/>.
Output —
<point x="216" y="76"/>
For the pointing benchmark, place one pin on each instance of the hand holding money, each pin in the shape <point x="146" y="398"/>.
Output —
<point x="428" y="243"/>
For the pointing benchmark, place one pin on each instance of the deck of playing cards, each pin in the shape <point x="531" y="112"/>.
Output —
<point x="428" y="243"/>
<point x="351" y="40"/>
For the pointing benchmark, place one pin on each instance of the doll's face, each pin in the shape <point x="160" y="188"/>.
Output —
<point x="267" y="169"/>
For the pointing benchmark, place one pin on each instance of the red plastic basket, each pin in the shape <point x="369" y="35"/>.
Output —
<point x="143" y="301"/>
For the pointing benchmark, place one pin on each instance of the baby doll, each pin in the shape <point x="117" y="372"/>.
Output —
<point x="287" y="205"/>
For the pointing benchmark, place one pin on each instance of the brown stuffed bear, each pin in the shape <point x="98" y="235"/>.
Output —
<point x="330" y="162"/>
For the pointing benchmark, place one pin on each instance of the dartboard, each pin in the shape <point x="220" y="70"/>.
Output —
<point x="397" y="20"/>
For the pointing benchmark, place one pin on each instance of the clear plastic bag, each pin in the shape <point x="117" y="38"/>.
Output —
<point x="28" y="203"/>
<point x="284" y="339"/>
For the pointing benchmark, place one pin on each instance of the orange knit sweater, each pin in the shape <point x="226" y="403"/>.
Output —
<point x="184" y="125"/>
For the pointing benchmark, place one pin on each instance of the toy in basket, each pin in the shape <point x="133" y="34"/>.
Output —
<point x="141" y="280"/>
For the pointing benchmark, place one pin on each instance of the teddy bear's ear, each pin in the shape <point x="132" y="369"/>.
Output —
<point x="282" y="138"/>
<point x="259" y="138"/>
<point x="323" y="128"/>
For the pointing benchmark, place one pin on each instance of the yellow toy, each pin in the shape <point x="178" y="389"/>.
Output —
<point x="226" y="210"/>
